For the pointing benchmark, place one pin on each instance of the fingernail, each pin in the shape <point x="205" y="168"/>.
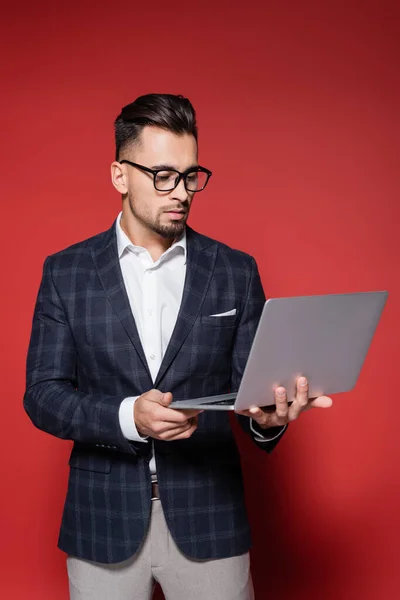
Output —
<point x="280" y="392"/>
<point x="302" y="381"/>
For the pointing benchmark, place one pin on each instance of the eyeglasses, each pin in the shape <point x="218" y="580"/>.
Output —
<point x="195" y="179"/>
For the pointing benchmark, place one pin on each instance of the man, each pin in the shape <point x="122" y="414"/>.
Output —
<point x="124" y="321"/>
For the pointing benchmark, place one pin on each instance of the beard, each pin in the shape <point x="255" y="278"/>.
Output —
<point x="171" y="231"/>
<point x="168" y="231"/>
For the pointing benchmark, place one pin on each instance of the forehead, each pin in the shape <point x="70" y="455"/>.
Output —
<point x="161" y="147"/>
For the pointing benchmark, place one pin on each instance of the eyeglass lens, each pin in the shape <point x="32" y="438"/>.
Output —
<point x="194" y="181"/>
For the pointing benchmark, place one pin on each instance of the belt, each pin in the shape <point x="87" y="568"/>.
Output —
<point x="155" y="495"/>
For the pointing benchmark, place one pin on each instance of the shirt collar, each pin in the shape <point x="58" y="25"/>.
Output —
<point x="123" y="242"/>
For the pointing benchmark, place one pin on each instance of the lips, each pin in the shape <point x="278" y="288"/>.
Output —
<point x="176" y="214"/>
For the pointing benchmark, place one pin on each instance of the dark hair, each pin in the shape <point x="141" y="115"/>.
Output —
<point x="173" y="113"/>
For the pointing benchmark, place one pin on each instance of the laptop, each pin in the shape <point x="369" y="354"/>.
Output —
<point x="325" y="338"/>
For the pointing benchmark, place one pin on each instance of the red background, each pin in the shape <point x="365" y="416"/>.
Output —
<point x="298" y="109"/>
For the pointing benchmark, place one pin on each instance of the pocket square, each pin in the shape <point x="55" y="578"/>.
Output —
<point x="229" y="313"/>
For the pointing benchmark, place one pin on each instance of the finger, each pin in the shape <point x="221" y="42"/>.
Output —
<point x="164" y="429"/>
<point x="321" y="402"/>
<point x="172" y="415"/>
<point x="271" y="419"/>
<point x="255" y="410"/>
<point x="182" y="436"/>
<point x="189" y="413"/>
<point x="282" y="407"/>
<point x="259" y="416"/>
<point x="301" y="400"/>
<point x="181" y="432"/>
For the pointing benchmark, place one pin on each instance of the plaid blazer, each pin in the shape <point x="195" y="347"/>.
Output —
<point x="85" y="357"/>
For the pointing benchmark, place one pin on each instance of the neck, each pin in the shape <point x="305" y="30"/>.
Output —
<point x="141" y="236"/>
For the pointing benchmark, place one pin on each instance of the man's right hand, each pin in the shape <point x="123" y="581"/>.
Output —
<point x="153" y="417"/>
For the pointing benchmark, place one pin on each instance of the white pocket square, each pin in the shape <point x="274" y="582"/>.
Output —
<point x="229" y="313"/>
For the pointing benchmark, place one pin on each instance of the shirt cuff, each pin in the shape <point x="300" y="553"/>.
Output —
<point x="262" y="438"/>
<point x="127" y="422"/>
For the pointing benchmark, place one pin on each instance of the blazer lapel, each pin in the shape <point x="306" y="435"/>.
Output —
<point x="105" y="257"/>
<point x="201" y="256"/>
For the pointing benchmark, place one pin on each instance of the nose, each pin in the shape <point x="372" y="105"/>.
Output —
<point x="179" y="193"/>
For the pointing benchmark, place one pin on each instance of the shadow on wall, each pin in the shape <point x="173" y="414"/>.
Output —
<point x="298" y="550"/>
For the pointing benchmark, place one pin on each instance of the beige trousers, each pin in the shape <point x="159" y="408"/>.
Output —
<point x="160" y="560"/>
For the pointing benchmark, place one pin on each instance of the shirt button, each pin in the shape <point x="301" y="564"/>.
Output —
<point x="150" y="311"/>
<point x="152" y="356"/>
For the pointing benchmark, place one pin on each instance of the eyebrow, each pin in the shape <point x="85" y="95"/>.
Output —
<point x="165" y="167"/>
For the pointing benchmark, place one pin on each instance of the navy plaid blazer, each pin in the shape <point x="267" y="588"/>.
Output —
<point x="85" y="357"/>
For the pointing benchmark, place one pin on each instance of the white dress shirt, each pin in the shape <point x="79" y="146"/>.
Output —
<point x="155" y="292"/>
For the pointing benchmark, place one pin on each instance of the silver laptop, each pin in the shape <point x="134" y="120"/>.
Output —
<point x="325" y="338"/>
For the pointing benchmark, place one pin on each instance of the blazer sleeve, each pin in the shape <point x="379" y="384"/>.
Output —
<point x="51" y="399"/>
<point x="244" y="336"/>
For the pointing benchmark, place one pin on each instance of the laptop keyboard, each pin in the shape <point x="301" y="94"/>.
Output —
<point x="228" y="402"/>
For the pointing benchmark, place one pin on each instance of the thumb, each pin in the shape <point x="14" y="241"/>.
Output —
<point x="166" y="399"/>
<point x="321" y="402"/>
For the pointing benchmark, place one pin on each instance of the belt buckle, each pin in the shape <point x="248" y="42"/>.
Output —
<point x="154" y="491"/>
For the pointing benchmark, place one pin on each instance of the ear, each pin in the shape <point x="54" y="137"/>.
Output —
<point x="119" y="178"/>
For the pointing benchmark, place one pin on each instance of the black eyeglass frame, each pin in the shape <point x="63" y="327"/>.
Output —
<point x="180" y="175"/>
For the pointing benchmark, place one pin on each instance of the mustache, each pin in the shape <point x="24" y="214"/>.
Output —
<point x="183" y="209"/>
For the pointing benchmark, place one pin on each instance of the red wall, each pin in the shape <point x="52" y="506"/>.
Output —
<point x="298" y="107"/>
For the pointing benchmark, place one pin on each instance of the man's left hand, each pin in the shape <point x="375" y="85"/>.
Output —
<point x="284" y="413"/>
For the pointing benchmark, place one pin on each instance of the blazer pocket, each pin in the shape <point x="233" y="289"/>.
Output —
<point x="89" y="460"/>
<point x="228" y="321"/>
<point x="228" y="313"/>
